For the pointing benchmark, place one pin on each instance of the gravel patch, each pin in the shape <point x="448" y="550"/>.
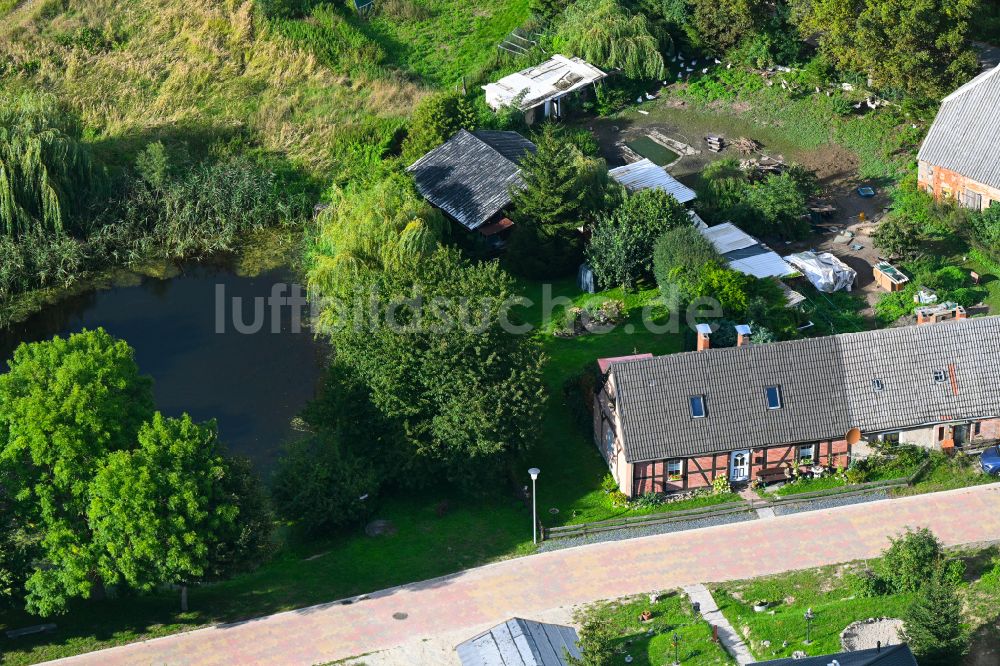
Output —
<point x="829" y="503"/>
<point x="871" y="633"/>
<point x="632" y="532"/>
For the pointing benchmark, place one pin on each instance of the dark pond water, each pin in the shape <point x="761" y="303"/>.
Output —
<point x="253" y="384"/>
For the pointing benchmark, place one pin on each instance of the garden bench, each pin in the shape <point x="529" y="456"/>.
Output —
<point x="772" y="474"/>
<point x="28" y="631"/>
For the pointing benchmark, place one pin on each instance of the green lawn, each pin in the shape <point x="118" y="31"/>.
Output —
<point x="414" y="41"/>
<point x="830" y="594"/>
<point x="571" y="466"/>
<point x="671" y="615"/>
<point x="825" y="590"/>
<point x="811" y="485"/>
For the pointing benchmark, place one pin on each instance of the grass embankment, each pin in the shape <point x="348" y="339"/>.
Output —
<point x="651" y="643"/>
<point x="836" y="604"/>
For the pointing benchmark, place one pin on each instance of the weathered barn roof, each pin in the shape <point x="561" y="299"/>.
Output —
<point x="470" y="175"/>
<point x="828" y="386"/>
<point x="555" y="77"/>
<point x="745" y="253"/>
<point x="965" y="135"/>
<point x="519" y="642"/>
<point x="893" y="655"/>
<point x="645" y="175"/>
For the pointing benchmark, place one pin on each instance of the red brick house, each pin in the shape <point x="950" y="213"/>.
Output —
<point x="960" y="158"/>
<point x="676" y="422"/>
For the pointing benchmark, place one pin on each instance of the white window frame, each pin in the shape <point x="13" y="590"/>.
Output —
<point x="811" y="458"/>
<point x="675" y="475"/>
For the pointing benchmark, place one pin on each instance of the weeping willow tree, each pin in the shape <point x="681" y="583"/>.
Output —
<point x="370" y="229"/>
<point x="608" y="35"/>
<point x="45" y="170"/>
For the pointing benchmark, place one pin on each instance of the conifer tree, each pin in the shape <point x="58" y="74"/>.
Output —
<point x="933" y="622"/>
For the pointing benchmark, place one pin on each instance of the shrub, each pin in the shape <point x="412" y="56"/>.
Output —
<point x="905" y="564"/>
<point x="621" y="246"/>
<point x="434" y="121"/>
<point x="720" y="485"/>
<point x="649" y="500"/>
<point x="678" y="257"/>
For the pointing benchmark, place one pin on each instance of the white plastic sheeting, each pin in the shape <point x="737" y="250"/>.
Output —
<point x="825" y="271"/>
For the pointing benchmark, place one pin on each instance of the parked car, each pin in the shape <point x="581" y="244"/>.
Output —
<point x="990" y="460"/>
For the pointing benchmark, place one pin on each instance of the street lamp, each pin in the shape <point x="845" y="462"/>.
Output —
<point x="809" y="618"/>
<point x="534" y="471"/>
<point x="677" y="650"/>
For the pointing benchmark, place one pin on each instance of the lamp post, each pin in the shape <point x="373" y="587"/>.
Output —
<point x="534" y="471"/>
<point x="677" y="650"/>
<point x="809" y="618"/>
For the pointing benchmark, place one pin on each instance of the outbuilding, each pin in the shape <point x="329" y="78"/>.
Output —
<point x="540" y="91"/>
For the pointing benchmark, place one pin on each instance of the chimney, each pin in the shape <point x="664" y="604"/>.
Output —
<point x="960" y="313"/>
<point x="742" y="335"/>
<point x="704" y="333"/>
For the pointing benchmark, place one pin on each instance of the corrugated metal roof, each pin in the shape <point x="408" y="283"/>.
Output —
<point x="645" y="175"/>
<point x="745" y="253"/>
<point x="519" y="642"/>
<point x="469" y="176"/>
<point x="555" y="77"/>
<point x="965" y="135"/>
<point x="895" y="655"/>
<point x="826" y="387"/>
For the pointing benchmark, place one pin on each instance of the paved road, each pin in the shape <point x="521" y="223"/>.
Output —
<point x="477" y="598"/>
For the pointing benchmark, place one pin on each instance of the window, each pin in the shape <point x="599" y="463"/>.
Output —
<point x="940" y="433"/>
<point x="675" y="469"/>
<point x="609" y="443"/>
<point x="940" y="376"/>
<point x="891" y="438"/>
<point x="773" y="397"/>
<point x="972" y="200"/>
<point x="698" y="406"/>
<point x="878" y="385"/>
<point x="977" y="428"/>
<point x="806" y="454"/>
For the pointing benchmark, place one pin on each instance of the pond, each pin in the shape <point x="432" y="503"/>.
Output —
<point x="254" y="384"/>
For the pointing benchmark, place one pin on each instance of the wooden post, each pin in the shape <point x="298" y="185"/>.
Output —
<point x="184" y="598"/>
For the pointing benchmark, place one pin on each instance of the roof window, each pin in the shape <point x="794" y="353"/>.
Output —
<point x="698" y="406"/>
<point x="940" y="376"/>
<point x="878" y="385"/>
<point x="773" y="394"/>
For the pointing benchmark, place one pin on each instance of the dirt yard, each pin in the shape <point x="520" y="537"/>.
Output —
<point x="835" y="167"/>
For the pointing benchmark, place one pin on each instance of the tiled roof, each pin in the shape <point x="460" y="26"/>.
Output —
<point x="826" y="388"/>
<point x="469" y="176"/>
<point x="965" y="136"/>
<point x="895" y="655"/>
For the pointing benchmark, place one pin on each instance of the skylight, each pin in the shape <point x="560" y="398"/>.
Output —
<point x="773" y="397"/>
<point x="940" y="376"/>
<point x="698" y="406"/>
<point x="878" y="385"/>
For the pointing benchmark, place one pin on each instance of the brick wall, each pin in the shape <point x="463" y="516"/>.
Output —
<point x="944" y="184"/>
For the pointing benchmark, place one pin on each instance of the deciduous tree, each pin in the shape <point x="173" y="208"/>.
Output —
<point x="621" y="246"/>
<point x="165" y="512"/>
<point x="608" y="35"/>
<point x="64" y="405"/>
